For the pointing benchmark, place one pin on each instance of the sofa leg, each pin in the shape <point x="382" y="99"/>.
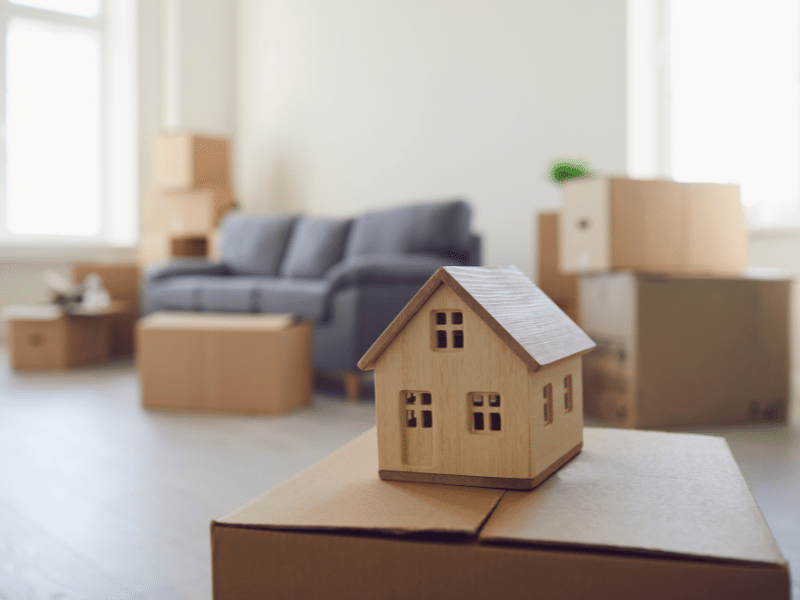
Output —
<point x="352" y="385"/>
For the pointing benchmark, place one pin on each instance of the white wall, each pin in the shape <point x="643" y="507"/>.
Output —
<point x="348" y="105"/>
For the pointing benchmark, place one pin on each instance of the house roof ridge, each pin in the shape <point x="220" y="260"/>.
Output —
<point x="518" y="312"/>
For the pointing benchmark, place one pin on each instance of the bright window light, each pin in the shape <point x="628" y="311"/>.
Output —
<point x="53" y="183"/>
<point x="735" y="103"/>
<point x="84" y="8"/>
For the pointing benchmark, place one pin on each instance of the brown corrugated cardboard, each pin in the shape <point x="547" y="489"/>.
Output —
<point x="683" y="350"/>
<point x="186" y="213"/>
<point x="635" y="515"/>
<point x="611" y="223"/>
<point x="186" y="161"/>
<point x="159" y="247"/>
<point x="224" y="362"/>
<point x="43" y="337"/>
<point x="549" y="278"/>
<point x="122" y="282"/>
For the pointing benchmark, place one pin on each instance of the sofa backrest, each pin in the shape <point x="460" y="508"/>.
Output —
<point x="315" y="246"/>
<point x="304" y="247"/>
<point x="255" y="244"/>
<point x="438" y="228"/>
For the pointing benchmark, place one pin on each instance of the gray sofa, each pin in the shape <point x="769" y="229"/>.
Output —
<point x="349" y="277"/>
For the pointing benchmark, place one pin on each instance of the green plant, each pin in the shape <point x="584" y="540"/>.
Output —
<point x="561" y="170"/>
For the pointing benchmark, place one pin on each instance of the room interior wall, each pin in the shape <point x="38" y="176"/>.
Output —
<point x="350" y="105"/>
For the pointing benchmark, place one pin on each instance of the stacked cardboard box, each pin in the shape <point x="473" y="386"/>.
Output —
<point x="560" y="287"/>
<point x="192" y="194"/>
<point x="685" y="335"/>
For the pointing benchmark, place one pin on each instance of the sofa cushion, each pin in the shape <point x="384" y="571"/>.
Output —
<point x="385" y="268"/>
<point x="177" y="293"/>
<point x="418" y="228"/>
<point x="255" y="244"/>
<point x="228" y="294"/>
<point x="315" y="246"/>
<point x="302" y="297"/>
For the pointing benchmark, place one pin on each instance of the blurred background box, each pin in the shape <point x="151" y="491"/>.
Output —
<point x="614" y="223"/>
<point x="187" y="161"/>
<point x="121" y="280"/>
<point x="156" y="246"/>
<point x="42" y="337"/>
<point x="560" y="287"/>
<point x="684" y="350"/>
<point x="189" y="212"/>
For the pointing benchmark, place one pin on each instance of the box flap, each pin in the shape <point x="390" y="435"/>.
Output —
<point x="218" y="321"/>
<point x="343" y="491"/>
<point x="650" y="492"/>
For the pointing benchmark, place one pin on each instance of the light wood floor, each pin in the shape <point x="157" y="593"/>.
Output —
<point x="102" y="499"/>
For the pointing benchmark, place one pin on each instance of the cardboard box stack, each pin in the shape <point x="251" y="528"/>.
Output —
<point x="685" y="335"/>
<point x="560" y="287"/>
<point x="192" y="194"/>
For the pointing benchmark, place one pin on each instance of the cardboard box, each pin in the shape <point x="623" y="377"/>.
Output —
<point x="611" y="223"/>
<point x="560" y="287"/>
<point x="186" y="213"/>
<point x="122" y="282"/>
<point x="159" y="247"/>
<point x="549" y="278"/>
<point x="224" y="362"/>
<point x="676" y="351"/>
<point x="187" y="161"/>
<point x="635" y="515"/>
<point x="43" y="337"/>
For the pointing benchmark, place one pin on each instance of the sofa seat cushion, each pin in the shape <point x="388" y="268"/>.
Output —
<point x="305" y="298"/>
<point x="438" y="228"/>
<point x="228" y="294"/>
<point x="315" y="246"/>
<point x="254" y="244"/>
<point x="177" y="293"/>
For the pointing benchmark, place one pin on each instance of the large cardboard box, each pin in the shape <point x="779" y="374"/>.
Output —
<point x="43" y="337"/>
<point x="635" y="515"/>
<point x="187" y="161"/>
<point x="224" y="362"/>
<point x="157" y="246"/>
<point x="562" y="288"/>
<point x="122" y="282"/>
<point x="682" y="350"/>
<point x="186" y="213"/>
<point x="611" y="223"/>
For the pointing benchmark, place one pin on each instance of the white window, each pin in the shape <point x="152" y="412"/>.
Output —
<point x="59" y="108"/>
<point x="734" y="101"/>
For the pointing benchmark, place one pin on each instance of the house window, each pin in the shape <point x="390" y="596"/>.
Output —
<point x="447" y="327"/>
<point x="485" y="412"/>
<point x="418" y="407"/>
<point x="547" y="393"/>
<point x="568" y="393"/>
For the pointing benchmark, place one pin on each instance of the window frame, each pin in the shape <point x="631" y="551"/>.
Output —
<point x="115" y="28"/>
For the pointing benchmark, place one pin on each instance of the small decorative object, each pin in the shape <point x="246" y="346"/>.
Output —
<point x="95" y="297"/>
<point x="478" y="381"/>
<point x="561" y="170"/>
<point x="63" y="292"/>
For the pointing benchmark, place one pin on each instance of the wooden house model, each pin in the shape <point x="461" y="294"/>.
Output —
<point x="478" y="382"/>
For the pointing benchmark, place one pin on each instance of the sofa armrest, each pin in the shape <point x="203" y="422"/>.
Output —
<point x="384" y="268"/>
<point x="185" y="266"/>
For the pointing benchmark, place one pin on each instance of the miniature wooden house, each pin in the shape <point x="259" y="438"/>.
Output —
<point x="478" y="382"/>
